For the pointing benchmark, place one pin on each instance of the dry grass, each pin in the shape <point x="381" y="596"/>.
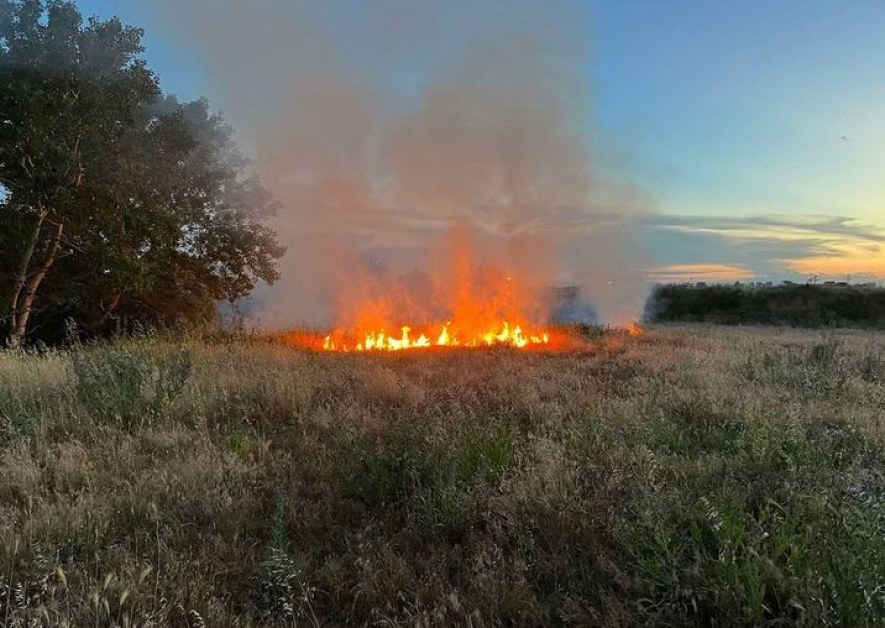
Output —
<point x="693" y="475"/>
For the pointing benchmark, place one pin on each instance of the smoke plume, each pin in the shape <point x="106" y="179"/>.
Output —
<point x="428" y="156"/>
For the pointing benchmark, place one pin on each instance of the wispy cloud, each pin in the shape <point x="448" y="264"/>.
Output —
<point x="842" y="260"/>
<point x="770" y="247"/>
<point x="678" y="273"/>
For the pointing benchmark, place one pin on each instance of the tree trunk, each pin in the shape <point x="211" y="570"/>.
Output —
<point x="21" y="277"/>
<point x="107" y="312"/>
<point x="23" y="303"/>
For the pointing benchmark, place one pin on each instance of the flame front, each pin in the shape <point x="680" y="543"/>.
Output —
<point x="503" y="335"/>
<point x="460" y="302"/>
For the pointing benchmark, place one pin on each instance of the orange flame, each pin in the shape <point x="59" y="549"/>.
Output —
<point x="461" y="301"/>
<point x="635" y="329"/>
<point x="504" y="335"/>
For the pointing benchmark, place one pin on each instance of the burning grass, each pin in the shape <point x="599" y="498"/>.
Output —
<point x="500" y="335"/>
<point x="685" y="475"/>
<point x="444" y="337"/>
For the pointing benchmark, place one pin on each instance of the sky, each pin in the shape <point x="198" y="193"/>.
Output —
<point x="754" y="129"/>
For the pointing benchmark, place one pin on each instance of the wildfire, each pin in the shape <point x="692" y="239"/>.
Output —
<point x="504" y="335"/>
<point x="635" y="330"/>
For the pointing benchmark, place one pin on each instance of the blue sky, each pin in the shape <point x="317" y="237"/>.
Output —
<point x="755" y="128"/>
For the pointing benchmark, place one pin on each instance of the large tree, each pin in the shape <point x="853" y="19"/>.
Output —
<point x="118" y="200"/>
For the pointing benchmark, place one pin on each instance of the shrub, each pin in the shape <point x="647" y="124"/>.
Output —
<point x="129" y="385"/>
<point x="278" y="593"/>
<point x="826" y="305"/>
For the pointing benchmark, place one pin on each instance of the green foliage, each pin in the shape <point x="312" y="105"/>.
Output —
<point x="123" y="206"/>
<point x="818" y="305"/>
<point x="691" y="429"/>
<point x="25" y="406"/>
<point x="690" y="476"/>
<point x="434" y="487"/>
<point x="13" y="425"/>
<point x="825" y="369"/>
<point x="128" y="385"/>
<point x="277" y="592"/>
<point x="765" y="525"/>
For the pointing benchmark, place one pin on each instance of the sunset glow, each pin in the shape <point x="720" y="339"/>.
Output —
<point x="678" y="273"/>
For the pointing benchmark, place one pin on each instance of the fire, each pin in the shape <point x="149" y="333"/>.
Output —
<point x="635" y="329"/>
<point x="503" y="335"/>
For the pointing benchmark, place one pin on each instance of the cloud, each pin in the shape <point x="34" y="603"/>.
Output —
<point x="843" y="260"/>
<point x="679" y="273"/>
<point x="770" y="247"/>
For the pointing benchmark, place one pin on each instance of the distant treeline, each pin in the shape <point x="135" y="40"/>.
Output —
<point x="799" y="305"/>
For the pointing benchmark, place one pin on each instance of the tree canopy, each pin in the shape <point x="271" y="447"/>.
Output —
<point x="121" y="204"/>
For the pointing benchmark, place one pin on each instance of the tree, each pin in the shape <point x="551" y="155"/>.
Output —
<point x="118" y="199"/>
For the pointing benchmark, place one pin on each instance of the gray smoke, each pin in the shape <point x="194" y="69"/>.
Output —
<point x="391" y="129"/>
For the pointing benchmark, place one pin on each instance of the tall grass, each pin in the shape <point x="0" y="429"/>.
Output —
<point x="693" y="475"/>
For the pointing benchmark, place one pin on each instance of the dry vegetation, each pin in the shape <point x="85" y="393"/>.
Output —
<point x="693" y="475"/>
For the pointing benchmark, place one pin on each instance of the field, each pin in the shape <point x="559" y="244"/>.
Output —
<point x="690" y="475"/>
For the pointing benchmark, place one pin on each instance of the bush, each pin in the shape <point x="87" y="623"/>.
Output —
<point x="278" y="593"/>
<point x="826" y="305"/>
<point x="129" y="385"/>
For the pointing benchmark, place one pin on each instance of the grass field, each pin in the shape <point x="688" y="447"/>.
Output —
<point x="691" y="475"/>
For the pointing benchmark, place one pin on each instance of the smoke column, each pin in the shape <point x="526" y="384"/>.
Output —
<point x="411" y="143"/>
